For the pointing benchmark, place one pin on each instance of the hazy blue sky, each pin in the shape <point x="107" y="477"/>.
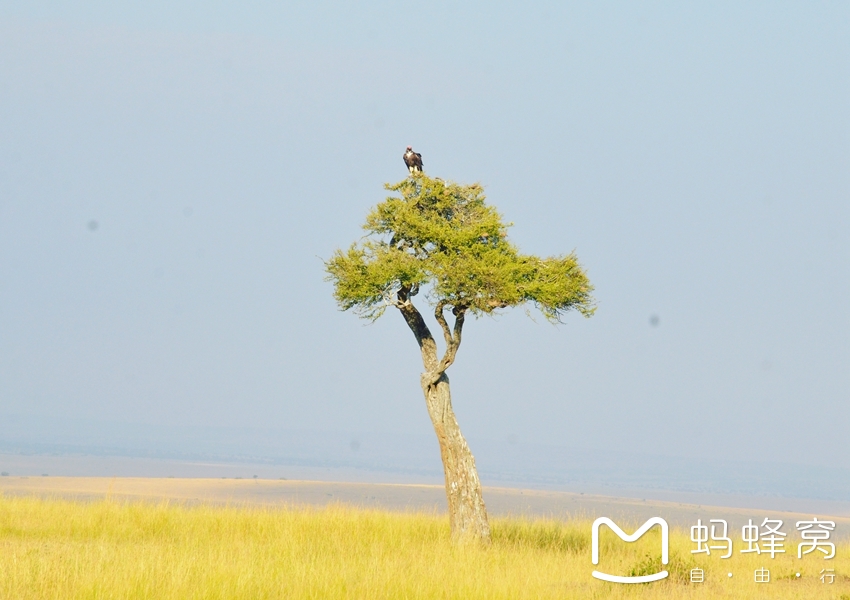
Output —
<point x="695" y="155"/>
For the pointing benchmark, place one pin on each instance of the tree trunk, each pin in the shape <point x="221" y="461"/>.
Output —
<point x="467" y="513"/>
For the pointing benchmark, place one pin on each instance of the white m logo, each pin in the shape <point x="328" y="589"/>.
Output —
<point x="630" y="538"/>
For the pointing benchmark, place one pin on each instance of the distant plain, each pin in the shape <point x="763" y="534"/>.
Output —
<point x="428" y="498"/>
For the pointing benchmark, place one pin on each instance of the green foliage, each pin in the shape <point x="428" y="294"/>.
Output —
<point x="444" y="236"/>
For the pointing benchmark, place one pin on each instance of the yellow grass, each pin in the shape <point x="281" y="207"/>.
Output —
<point x="66" y="550"/>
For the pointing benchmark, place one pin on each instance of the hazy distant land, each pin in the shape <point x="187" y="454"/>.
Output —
<point x="89" y="447"/>
<point x="399" y="497"/>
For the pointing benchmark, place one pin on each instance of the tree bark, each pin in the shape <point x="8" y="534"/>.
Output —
<point x="467" y="513"/>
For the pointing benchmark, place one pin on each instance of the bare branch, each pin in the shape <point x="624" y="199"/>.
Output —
<point x="389" y="300"/>
<point x="433" y="376"/>
<point x="417" y="325"/>
<point x="460" y="315"/>
<point x="441" y="319"/>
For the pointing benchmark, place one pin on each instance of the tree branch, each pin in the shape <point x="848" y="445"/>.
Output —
<point x="460" y="315"/>
<point x="441" y="319"/>
<point x="452" y="344"/>
<point x="420" y="330"/>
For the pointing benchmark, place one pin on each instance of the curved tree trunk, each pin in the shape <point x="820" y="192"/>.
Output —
<point x="467" y="513"/>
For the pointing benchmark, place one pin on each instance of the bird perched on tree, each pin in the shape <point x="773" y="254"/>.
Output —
<point x="413" y="160"/>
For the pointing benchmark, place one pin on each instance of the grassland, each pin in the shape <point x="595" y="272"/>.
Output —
<point x="60" y="549"/>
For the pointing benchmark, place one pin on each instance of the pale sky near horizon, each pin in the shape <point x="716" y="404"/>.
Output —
<point x="172" y="174"/>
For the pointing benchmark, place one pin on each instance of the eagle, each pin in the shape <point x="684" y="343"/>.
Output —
<point x="413" y="160"/>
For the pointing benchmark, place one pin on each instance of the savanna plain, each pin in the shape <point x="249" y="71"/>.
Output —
<point x="55" y="548"/>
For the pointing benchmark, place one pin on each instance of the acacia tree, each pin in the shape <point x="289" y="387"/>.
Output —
<point x="442" y="239"/>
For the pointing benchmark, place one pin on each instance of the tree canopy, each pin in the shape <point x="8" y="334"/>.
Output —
<point x="442" y="237"/>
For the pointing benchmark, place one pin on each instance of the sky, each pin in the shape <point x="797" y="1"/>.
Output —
<point x="172" y="175"/>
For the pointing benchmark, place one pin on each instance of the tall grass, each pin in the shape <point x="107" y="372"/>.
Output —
<point x="56" y="549"/>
